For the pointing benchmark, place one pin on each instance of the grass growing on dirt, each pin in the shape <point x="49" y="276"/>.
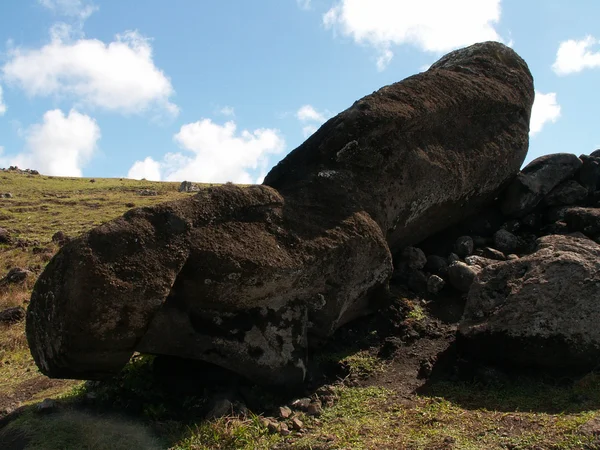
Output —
<point x="43" y="205"/>
<point x="79" y="430"/>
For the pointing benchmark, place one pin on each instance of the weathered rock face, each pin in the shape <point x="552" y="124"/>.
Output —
<point x="423" y="153"/>
<point x="249" y="278"/>
<point x="538" y="311"/>
<point x="536" y="180"/>
<point x="229" y="276"/>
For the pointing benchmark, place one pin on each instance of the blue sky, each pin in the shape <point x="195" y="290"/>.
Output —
<point x="220" y="91"/>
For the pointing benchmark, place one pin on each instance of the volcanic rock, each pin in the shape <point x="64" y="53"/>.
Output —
<point x="249" y="278"/>
<point x="539" y="311"/>
<point x="421" y="154"/>
<point x="536" y="180"/>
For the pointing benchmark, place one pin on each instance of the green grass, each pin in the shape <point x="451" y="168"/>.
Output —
<point x="44" y="205"/>
<point x="79" y="430"/>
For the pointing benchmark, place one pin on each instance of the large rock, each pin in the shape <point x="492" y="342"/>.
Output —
<point x="424" y="153"/>
<point x="538" y="311"/>
<point x="229" y="276"/>
<point x="536" y="180"/>
<point x="248" y="278"/>
<point x="585" y="220"/>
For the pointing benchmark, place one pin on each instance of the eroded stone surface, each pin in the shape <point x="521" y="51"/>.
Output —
<point x="537" y="311"/>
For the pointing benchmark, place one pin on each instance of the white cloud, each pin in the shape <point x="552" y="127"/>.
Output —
<point x="148" y="169"/>
<point x="308" y="113"/>
<point x="2" y="104"/>
<point x="118" y="76"/>
<point x="227" y="111"/>
<point x="431" y="25"/>
<point x="215" y="154"/>
<point x="309" y="130"/>
<point x="312" y="118"/>
<point x="79" y="9"/>
<point x="574" y="56"/>
<point x="545" y="109"/>
<point x="304" y="4"/>
<point x="60" y="145"/>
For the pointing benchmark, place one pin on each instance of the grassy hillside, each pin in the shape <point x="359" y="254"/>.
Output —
<point x="383" y="381"/>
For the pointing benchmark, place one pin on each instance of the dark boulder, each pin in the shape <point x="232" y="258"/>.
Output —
<point x="12" y="315"/>
<point x="536" y="180"/>
<point x="461" y="275"/>
<point x="567" y="193"/>
<point x="231" y="276"/>
<point x="4" y="236"/>
<point x="585" y="220"/>
<point x="589" y="175"/>
<point x="539" y="311"/>
<point x="421" y="154"/>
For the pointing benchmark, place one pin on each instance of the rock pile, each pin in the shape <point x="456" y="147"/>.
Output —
<point x="250" y="278"/>
<point x="529" y="267"/>
<point x="23" y="171"/>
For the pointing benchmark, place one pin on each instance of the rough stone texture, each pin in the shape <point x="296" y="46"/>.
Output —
<point x="437" y="265"/>
<point x="233" y="276"/>
<point x="435" y="284"/>
<point x="248" y="278"/>
<point x="536" y="180"/>
<point x="505" y="241"/>
<point x="586" y="220"/>
<point x="492" y="253"/>
<point x="14" y="276"/>
<point x="464" y="246"/>
<point x="566" y="193"/>
<point x="188" y="186"/>
<point x="589" y="174"/>
<point x="461" y="275"/>
<point x="421" y="154"/>
<point x="413" y="257"/>
<point x="12" y="315"/>
<point x="4" y="236"/>
<point x="538" y="311"/>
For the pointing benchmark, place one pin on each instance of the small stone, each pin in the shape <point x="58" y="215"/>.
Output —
<point x="284" y="412"/>
<point x="492" y="253"/>
<point x="479" y="261"/>
<point x="464" y="246"/>
<point x="461" y="276"/>
<point x="512" y="257"/>
<point x="4" y="236"/>
<point x="437" y="265"/>
<point x="283" y="429"/>
<point x="297" y="424"/>
<point x="314" y="409"/>
<point x="452" y="258"/>
<point x="12" y="315"/>
<point x="505" y="241"/>
<point x="414" y="258"/>
<point x="301" y="404"/>
<point x="435" y="284"/>
<point x="46" y="406"/>
<point x="60" y="238"/>
<point x="188" y="186"/>
<point x="425" y="369"/>
<point x="93" y="180"/>
<point x="7" y="195"/>
<point x="14" y="275"/>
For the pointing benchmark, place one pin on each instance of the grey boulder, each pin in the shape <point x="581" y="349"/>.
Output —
<point x="539" y="311"/>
